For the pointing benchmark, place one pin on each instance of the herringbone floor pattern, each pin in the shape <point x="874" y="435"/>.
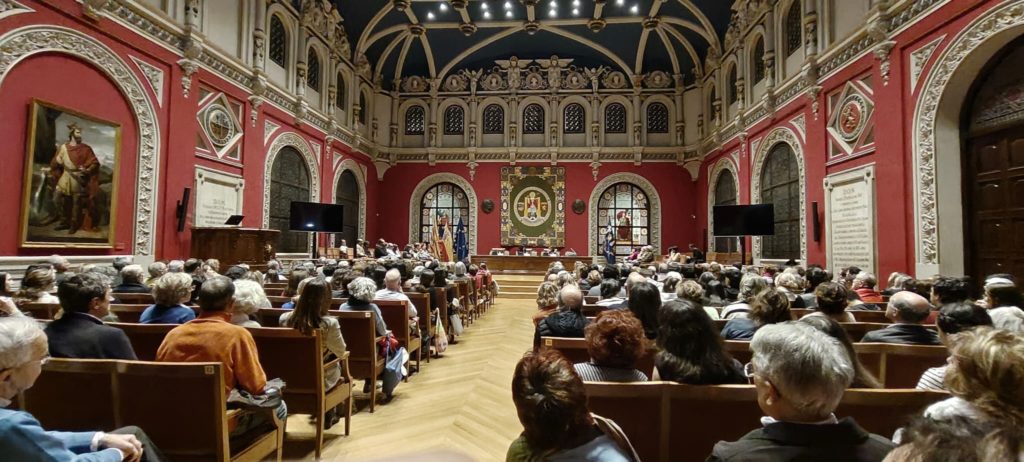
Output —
<point x="460" y="402"/>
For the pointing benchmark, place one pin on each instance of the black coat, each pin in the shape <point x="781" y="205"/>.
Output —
<point x="907" y="334"/>
<point x="841" y="442"/>
<point x="79" y="335"/>
<point x="132" y="288"/>
<point x="562" y="323"/>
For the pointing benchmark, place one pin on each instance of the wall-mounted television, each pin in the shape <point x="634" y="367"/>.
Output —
<point x="312" y="216"/>
<point x="744" y="220"/>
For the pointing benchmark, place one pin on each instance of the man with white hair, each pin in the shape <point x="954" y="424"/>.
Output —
<point x="907" y="311"/>
<point x="393" y="291"/>
<point x="61" y="268"/>
<point x="176" y="266"/>
<point x="800" y="375"/>
<point x="132" y="279"/>
<point x="864" y="284"/>
<point x="156" y="269"/>
<point x="23" y="351"/>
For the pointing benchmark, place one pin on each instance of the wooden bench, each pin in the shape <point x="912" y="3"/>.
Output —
<point x="575" y="350"/>
<point x="133" y="299"/>
<point x="870" y="316"/>
<point x="270" y="317"/>
<point x="422" y="304"/>
<point x="900" y="366"/>
<point x="442" y="308"/>
<point x="133" y="313"/>
<point x="396" y="316"/>
<point x="298" y="360"/>
<point x="40" y="310"/>
<point x="591" y="299"/>
<point x="145" y="338"/>
<point x="665" y="421"/>
<point x="136" y="393"/>
<point x="359" y="330"/>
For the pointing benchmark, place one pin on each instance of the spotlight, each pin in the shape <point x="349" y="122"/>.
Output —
<point x="508" y="14"/>
<point x="552" y="13"/>
<point x="443" y="6"/>
<point x="634" y="9"/>
<point x="508" y="5"/>
<point x="430" y="15"/>
<point x="487" y="15"/>
<point x="575" y="12"/>
<point x="483" y="6"/>
<point x="620" y="2"/>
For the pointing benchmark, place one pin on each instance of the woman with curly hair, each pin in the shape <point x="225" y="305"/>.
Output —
<point x="615" y="342"/>
<point x="547" y="301"/>
<point x="170" y="293"/>
<point x="36" y="287"/>
<point x="692" y="351"/>
<point x="768" y="307"/>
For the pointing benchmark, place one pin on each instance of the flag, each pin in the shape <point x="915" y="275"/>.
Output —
<point x="609" y="242"/>
<point x="461" y="242"/>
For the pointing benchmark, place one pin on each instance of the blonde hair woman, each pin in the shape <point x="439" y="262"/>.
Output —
<point x="170" y="293"/>
<point x="547" y="301"/>
<point x="36" y="287"/>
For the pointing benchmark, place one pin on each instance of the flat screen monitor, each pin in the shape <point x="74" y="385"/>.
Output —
<point x="744" y="220"/>
<point x="312" y="216"/>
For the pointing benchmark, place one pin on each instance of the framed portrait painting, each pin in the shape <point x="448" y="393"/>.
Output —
<point x="71" y="176"/>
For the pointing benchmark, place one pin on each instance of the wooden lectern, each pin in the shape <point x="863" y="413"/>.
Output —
<point x="235" y="245"/>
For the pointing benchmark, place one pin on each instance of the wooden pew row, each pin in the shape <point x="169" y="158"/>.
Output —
<point x="422" y="304"/>
<point x="396" y="317"/>
<point x="681" y="433"/>
<point x="575" y="350"/>
<point x="197" y="432"/>
<point x="277" y="302"/>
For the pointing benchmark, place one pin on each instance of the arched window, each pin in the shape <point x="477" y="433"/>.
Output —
<point x="339" y="97"/>
<point x="347" y="195"/>
<point x="780" y="185"/>
<point x="573" y="119"/>
<point x="625" y="206"/>
<point x="289" y="181"/>
<point x="278" y="47"/>
<point x="414" y="120"/>
<point x="615" y="118"/>
<point x="454" y="120"/>
<point x="533" y="120"/>
<point x="758" y="60"/>
<point x="312" y="70"/>
<point x="725" y="194"/>
<point x="730" y="87"/>
<point x="443" y="199"/>
<point x="794" y="28"/>
<point x="364" y="109"/>
<point x="494" y="120"/>
<point x="657" y="118"/>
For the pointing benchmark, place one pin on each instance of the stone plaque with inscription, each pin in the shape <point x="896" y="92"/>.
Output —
<point x="850" y="219"/>
<point x="218" y="196"/>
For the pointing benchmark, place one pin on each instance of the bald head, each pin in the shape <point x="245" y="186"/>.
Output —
<point x="908" y="307"/>
<point x="393" y="279"/>
<point x="633" y="279"/>
<point x="570" y="297"/>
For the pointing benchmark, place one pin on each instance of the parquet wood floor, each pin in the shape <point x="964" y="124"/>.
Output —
<point x="460" y="402"/>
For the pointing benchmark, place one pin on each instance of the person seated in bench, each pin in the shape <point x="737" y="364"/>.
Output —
<point x="393" y="291"/>
<point x="691" y="348"/>
<point x="568" y="321"/>
<point x="953" y="318"/>
<point x="615" y="342"/>
<point x="79" y="333"/>
<point x="907" y="311"/>
<point x="132" y="281"/>
<point x="831" y="299"/>
<point x="801" y="375"/>
<point x="212" y="338"/>
<point x="768" y="307"/>
<point x="552" y="406"/>
<point x="361" y="292"/>
<point x="23" y="351"/>
<point x="750" y="285"/>
<point x="171" y="292"/>
<point x="249" y="298"/>
<point x="862" y="377"/>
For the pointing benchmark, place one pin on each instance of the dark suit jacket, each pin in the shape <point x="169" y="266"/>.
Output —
<point x="842" y="442"/>
<point x="78" y="335"/>
<point x="132" y="288"/>
<point x="907" y="334"/>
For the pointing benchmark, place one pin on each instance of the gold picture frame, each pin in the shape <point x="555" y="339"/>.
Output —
<point x="70" y="183"/>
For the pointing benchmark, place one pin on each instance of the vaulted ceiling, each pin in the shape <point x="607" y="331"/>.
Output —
<point x="432" y="38"/>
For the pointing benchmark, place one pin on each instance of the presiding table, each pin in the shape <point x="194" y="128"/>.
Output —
<point x="523" y="264"/>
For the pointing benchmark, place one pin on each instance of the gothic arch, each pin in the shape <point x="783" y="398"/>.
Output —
<point x="294" y="140"/>
<point x="724" y="165"/>
<point x="642" y="183"/>
<point x="938" y="203"/>
<point x="429" y="182"/>
<point x="357" y="170"/>
<point x="776" y="136"/>
<point x="19" y="44"/>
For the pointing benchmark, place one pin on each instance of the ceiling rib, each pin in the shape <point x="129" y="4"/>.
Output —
<point x="361" y="46"/>
<point x="387" y="52"/>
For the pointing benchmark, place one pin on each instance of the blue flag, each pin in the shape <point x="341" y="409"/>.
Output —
<point x="609" y="242"/>
<point x="461" y="242"/>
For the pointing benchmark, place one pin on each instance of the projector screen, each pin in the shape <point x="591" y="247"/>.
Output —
<point x="312" y="216"/>
<point x="744" y="220"/>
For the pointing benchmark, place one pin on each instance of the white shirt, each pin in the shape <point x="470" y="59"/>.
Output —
<point x="388" y="294"/>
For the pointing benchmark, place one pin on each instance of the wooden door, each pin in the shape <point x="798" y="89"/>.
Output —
<point x="994" y="212"/>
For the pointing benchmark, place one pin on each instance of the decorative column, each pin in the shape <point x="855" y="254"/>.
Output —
<point x="192" y="45"/>
<point x="302" y="107"/>
<point x="680" y="125"/>
<point x="259" y="53"/>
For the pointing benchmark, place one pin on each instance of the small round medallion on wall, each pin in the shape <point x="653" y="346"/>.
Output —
<point x="578" y="207"/>
<point x="851" y="118"/>
<point x="487" y="206"/>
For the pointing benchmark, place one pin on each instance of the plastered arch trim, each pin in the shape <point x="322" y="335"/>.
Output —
<point x="789" y="137"/>
<point x="652" y="196"/>
<point x="1000" y="19"/>
<point x="280" y="142"/>
<point x="354" y="167"/>
<point x="724" y="165"/>
<point x="19" y="44"/>
<point x="417" y="199"/>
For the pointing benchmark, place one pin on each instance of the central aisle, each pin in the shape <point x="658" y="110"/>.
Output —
<point x="461" y="401"/>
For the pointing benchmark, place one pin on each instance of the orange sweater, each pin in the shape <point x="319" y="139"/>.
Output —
<point x="211" y="338"/>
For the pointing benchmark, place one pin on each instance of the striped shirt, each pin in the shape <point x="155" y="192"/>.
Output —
<point x="933" y="379"/>
<point x="590" y="372"/>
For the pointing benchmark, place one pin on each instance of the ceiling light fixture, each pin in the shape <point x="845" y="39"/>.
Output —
<point x="552" y="13"/>
<point x="575" y="2"/>
<point x="620" y="2"/>
<point x="483" y="6"/>
<point x="575" y="12"/>
<point x="443" y="6"/>
<point x="508" y="14"/>
<point x="430" y="15"/>
<point x="487" y="15"/>
<point x="634" y="9"/>
<point x="508" y="5"/>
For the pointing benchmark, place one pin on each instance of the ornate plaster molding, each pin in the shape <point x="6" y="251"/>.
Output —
<point x="776" y="136"/>
<point x="723" y="165"/>
<point x="919" y="59"/>
<point x="294" y="140"/>
<point x="22" y="43"/>
<point x="652" y="196"/>
<point x="11" y="8"/>
<point x="154" y="76"/>
<point x="417" y="197"/>
<point x="1009" y="15"/>
<point x="360" y="174"/>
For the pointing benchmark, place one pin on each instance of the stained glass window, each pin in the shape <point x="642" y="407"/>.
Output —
<point x="780" y="185"/>
<point x="758" y="64"/>
<point x="657" y="118"/>
<point x="725" y="194"/>
<point x="794" y="28"/>
<point x="615" y="118"/>
<point x="289" y="181"/>
<point x="414" y="120"/>
<point x="494" y="120"/>
<point x="625" y="209"/>
<point x="573" y="119"/>
<point x="312" y="70"/>
<point x="533" y="119"/>
<point x="278" y="47"/>
<point x="443" y="199"/>
<point x="454" y="120"/>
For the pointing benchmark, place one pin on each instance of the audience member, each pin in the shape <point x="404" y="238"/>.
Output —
<point x="23" y="351"/>
<point x="816" y="276"/>
<point x="310" y="315"/>
<point x="921" y="287"/>
<point x="79" y="332"/>
<point x="249" y="298"/>
<point x="611" y="295"/>
<point x="547" y="301"/>
<point x="170" y="294"/>
<point x="895" y="283"/>
<point x="609" y="272"/>
<point x="801" y="375"/>
<point x="132" y="278"/>
<point x="955" y="438"/>
<point x="644" y="302"/>
<point x="615" y="342"/>
<point x="175" y="266"/>
<point x="864" y="285"/>
<point x="907" y="311"/>
<point x="953" y="319"/>
<point x="999" y="295"/>
<point x="118" y="264"/>
<point x="194" y="268"/>
<point x="792" y="286"/>
<point x="694" y="292"/>
<point x="750" y="285"/>
<point x="552" y="406"/>
<point x="568" y="321"/>
<point x="862" y="378"/>
<point x="831" y="299"/>
<point x="393" y="290"/>
<point x="155" y="269"/>
<point x="61" y="268"/>
<point x="947" y="290"/>
<point x="669" y="285"/>
<point x="767" y="307"/>
<point x="36" y="287"/>
<point x="361" y="291"/>
<point x="298" y="293"/>
<point x="691" y="347"/>
<point x="1008" y="318"/>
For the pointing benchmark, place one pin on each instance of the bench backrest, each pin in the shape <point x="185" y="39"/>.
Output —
<point x="422" y="304"/>
<point x="40" y="310"/>
<point x="270" y="317"/>
<point x="900" y="366"/>
<point x="359" y="331"/>
<point x="441" y="294"/>
<point x="297" y="358"/>
<point x="63" y="379"/>
<point x="133" y="299"/>
<point x="396" y="317"/>
<point x="575" y="350"/>
<point x="640" y="409"/>
<point x="736" y="405"/>
<point x="145" y="338"/>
